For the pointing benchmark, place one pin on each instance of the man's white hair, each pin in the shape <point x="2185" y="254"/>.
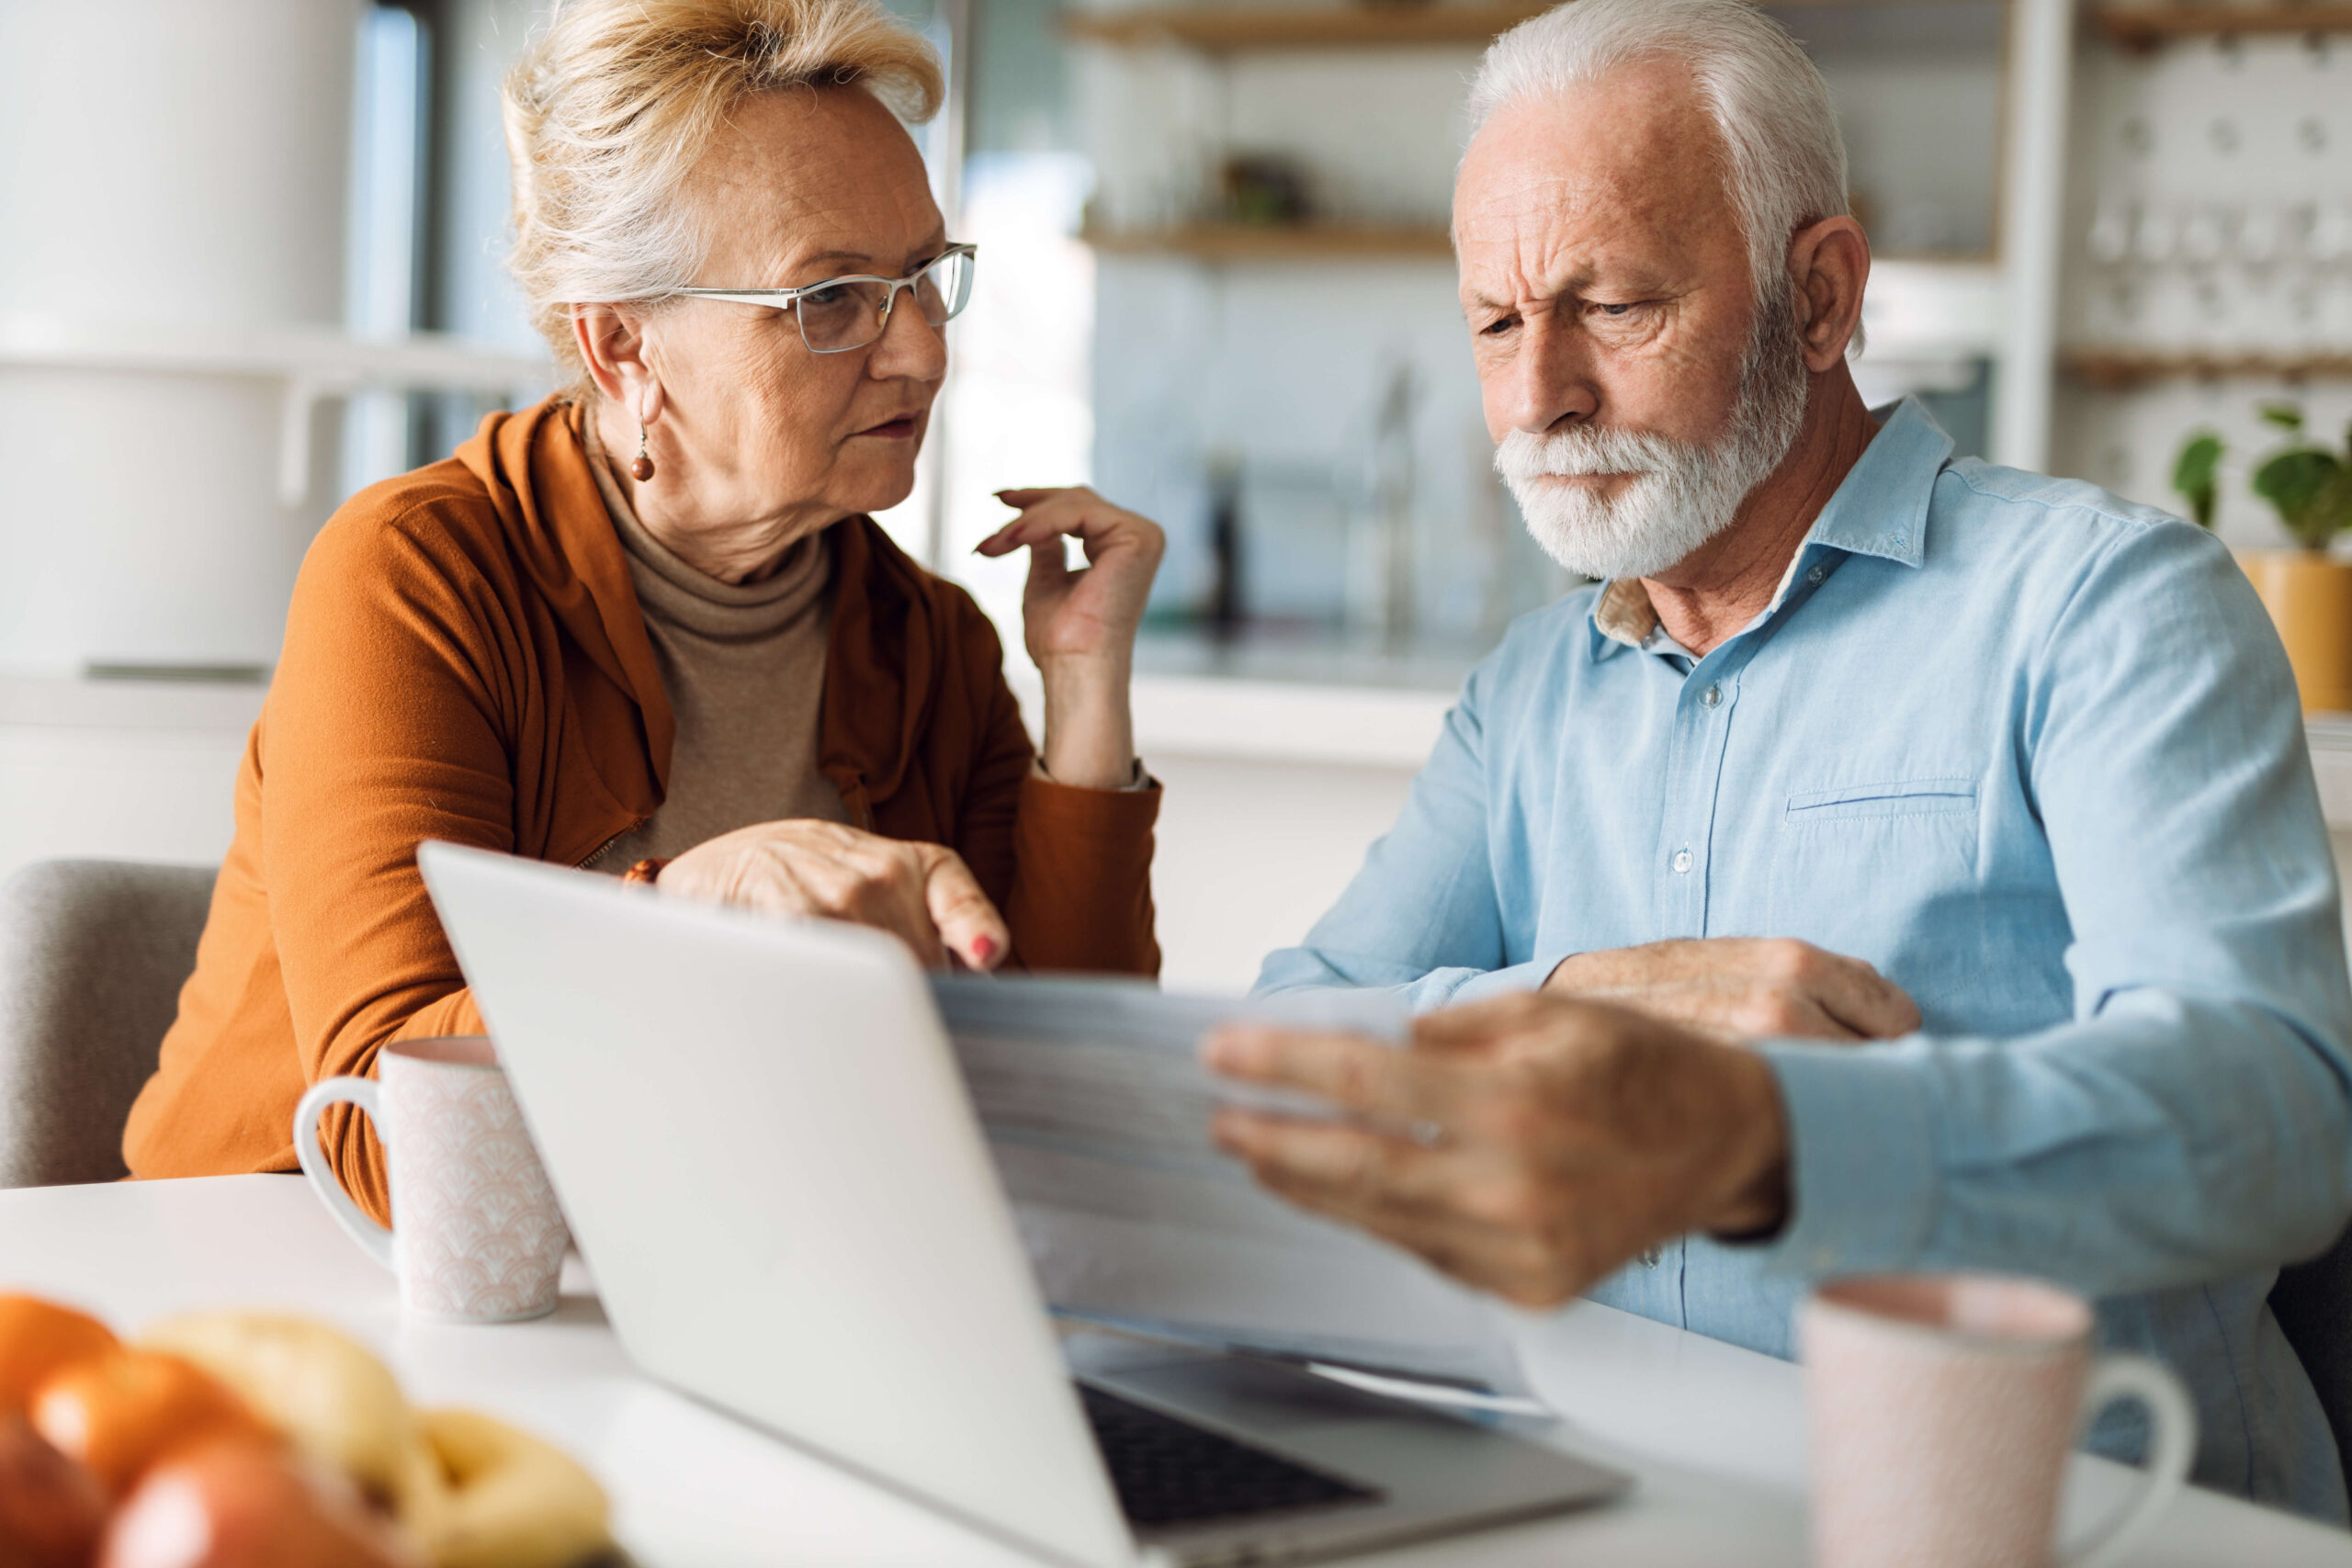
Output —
<point x="1769" y="106"/>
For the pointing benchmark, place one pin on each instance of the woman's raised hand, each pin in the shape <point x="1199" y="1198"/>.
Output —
<point x="1080" y="626"/>
<point x="922" y="894"/>
<point x="1091" y="612"/>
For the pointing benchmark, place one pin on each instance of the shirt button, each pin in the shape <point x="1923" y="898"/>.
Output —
<point x="1652" y="1258"/>
<point x="1682" y="860"/>
<point x="1711" y="695"/>
<point x="1816" y="574"/>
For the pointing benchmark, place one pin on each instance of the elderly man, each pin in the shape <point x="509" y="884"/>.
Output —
<point x="1943" y="833"/>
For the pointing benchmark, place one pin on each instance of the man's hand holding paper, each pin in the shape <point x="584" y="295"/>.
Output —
<point x="1527" y="1145"/>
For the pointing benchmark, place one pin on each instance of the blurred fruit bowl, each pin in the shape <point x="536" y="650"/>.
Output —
<point x="255" y="1440"/>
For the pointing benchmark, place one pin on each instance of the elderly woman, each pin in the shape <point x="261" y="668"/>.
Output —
<point x="648" y="627"/>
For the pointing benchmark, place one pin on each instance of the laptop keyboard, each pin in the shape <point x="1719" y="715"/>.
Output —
<point x="1171" y="1472"/>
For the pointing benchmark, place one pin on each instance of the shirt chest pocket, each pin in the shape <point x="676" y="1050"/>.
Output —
<point x="1886" y="872"/>
<point x="1909" y="797"/>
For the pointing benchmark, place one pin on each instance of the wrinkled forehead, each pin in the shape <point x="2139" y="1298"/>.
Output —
<point x="807" y="184"/>
<point x="1632" y="162"/>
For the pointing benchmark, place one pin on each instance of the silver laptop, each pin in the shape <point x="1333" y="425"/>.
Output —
<point x="759" y="1136"/>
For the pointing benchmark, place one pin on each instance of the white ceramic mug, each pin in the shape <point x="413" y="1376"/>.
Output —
<point x="1942" y="1411"/>
<point x="476" y="1233"/>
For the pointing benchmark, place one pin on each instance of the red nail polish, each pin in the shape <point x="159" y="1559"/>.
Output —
<point x="983" y="948"/>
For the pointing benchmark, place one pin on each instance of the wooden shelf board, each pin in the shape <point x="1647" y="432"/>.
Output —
<point x="1310" y="242"/>
<point x="2149" y="24"/>
<point x="2113" y="368"/>
<point x="1217" y="28"/>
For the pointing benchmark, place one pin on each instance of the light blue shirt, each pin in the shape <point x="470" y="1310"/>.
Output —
<point x="2033" y="752"/>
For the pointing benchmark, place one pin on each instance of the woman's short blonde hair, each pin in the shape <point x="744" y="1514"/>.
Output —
<point x="612" y="104"/>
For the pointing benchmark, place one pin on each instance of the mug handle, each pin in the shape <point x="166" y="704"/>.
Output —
<point x="2172" y="1423"/>
<point x="365" y="1093"/>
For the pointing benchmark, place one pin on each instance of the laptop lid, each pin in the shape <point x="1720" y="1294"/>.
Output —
<point x="760" y="1141"/>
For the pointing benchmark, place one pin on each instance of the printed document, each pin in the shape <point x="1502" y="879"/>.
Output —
<point x="1097" y="1111"/>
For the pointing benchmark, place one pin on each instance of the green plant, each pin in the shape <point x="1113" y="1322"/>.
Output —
<point x="2309" y="485"/>
<point x="2193" y="475"/>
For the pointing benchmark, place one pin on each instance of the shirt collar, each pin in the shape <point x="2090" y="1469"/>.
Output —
<point x="1622" y="611"/>
<point x="1879" y="509"/>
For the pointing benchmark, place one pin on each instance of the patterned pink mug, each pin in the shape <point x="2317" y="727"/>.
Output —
<point x="476" y="1234"/>
<point x="1942" y="1409"/>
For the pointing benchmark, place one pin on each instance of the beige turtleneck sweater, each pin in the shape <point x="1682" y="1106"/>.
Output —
<point x="745" y="667"/>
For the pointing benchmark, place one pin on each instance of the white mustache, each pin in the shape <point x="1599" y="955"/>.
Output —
<point x="1676" y="495"/>
<point x="1583" y="452"/>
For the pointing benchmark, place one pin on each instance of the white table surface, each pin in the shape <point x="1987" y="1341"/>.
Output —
<point x="1714" y="1433"/>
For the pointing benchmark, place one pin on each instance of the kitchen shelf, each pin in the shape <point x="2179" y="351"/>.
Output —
<point x="1326" y="241"/>
<point x="1223" y="29"/>
<point x="309" y="364"/>
<point x="1218" y="30"/>
<point x="2147" y="26"/>
<point x="2115" y="369"/>
<point x="1300" y="243"/>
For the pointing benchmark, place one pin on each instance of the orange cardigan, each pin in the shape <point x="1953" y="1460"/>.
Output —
<point x="465" y="660"/>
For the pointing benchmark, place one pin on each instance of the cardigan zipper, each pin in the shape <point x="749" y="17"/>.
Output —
<point x="861" y="806"/>
<point x="600" y="850"/>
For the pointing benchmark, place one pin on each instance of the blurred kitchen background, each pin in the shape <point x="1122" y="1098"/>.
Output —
<point x="251" y="259"/>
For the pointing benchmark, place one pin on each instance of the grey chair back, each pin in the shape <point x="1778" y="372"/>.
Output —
<point x="92" y="954"/>
<point x="2312" y="1303"/>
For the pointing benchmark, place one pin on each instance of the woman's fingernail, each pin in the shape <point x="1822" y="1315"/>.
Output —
<point x="983" y="949"/>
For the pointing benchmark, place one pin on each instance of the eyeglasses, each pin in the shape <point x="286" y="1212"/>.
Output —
<point x="842" y="313"/>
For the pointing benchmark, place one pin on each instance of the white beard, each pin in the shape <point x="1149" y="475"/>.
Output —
<point x="1678" y="494"/>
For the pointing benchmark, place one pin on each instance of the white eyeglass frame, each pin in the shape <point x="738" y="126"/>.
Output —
<point x="777" y="299"/>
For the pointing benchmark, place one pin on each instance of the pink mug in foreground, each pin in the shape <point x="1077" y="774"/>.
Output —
<point x="1942" y="1412"/>
<point x="476" y="1233"/>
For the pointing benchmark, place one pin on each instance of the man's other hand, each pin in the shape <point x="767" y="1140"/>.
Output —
<point x="1528" y="1145"/>
<point x="1744" y="989"/>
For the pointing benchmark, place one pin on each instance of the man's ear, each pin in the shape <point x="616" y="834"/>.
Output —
<point x="1829" y="262"/>
<point x="612" y="341"/>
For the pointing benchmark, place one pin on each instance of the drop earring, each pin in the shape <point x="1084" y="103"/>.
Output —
<point x="641" y="469"/>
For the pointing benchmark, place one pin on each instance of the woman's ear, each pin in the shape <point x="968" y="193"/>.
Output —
<point x="1830" y="261"/>
<point x="612" y="341"/>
